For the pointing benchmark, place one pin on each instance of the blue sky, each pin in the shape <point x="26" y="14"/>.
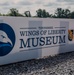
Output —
<point x="33" y="5"/>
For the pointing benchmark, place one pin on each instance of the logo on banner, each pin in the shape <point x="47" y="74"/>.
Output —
<point x="70" y="35"/>
<point x="7" y="39"/>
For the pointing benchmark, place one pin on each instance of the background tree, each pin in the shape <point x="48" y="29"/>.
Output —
<point x="42" y="13"/>
<point x="67" y="13"/>
<point x="14" y="12"/>
<point x="62" y="13"/>
<point x="59" y="13"/>
<point x="48" y="15"/>
<point x="39" y="13"/>
<point x="72" y="15"/>
<point x="0" y="14"/>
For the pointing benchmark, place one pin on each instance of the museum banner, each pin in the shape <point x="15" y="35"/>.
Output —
<point x="30" y="38"/>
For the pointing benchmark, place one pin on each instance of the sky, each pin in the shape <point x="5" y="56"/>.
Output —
<point x="33" y="5"/>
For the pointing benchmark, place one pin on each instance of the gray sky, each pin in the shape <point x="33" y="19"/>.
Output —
<point x="33" y="5"/>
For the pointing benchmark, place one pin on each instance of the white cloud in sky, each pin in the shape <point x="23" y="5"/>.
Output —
<point x="33" y="5"/>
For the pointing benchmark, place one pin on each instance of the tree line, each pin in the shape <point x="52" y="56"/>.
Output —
<point x="42" y="13"/>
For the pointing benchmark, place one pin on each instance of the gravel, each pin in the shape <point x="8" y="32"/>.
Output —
<point x="62" y="64"/>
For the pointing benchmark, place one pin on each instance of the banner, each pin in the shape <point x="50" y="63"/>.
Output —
<point x="30" y="38"/>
